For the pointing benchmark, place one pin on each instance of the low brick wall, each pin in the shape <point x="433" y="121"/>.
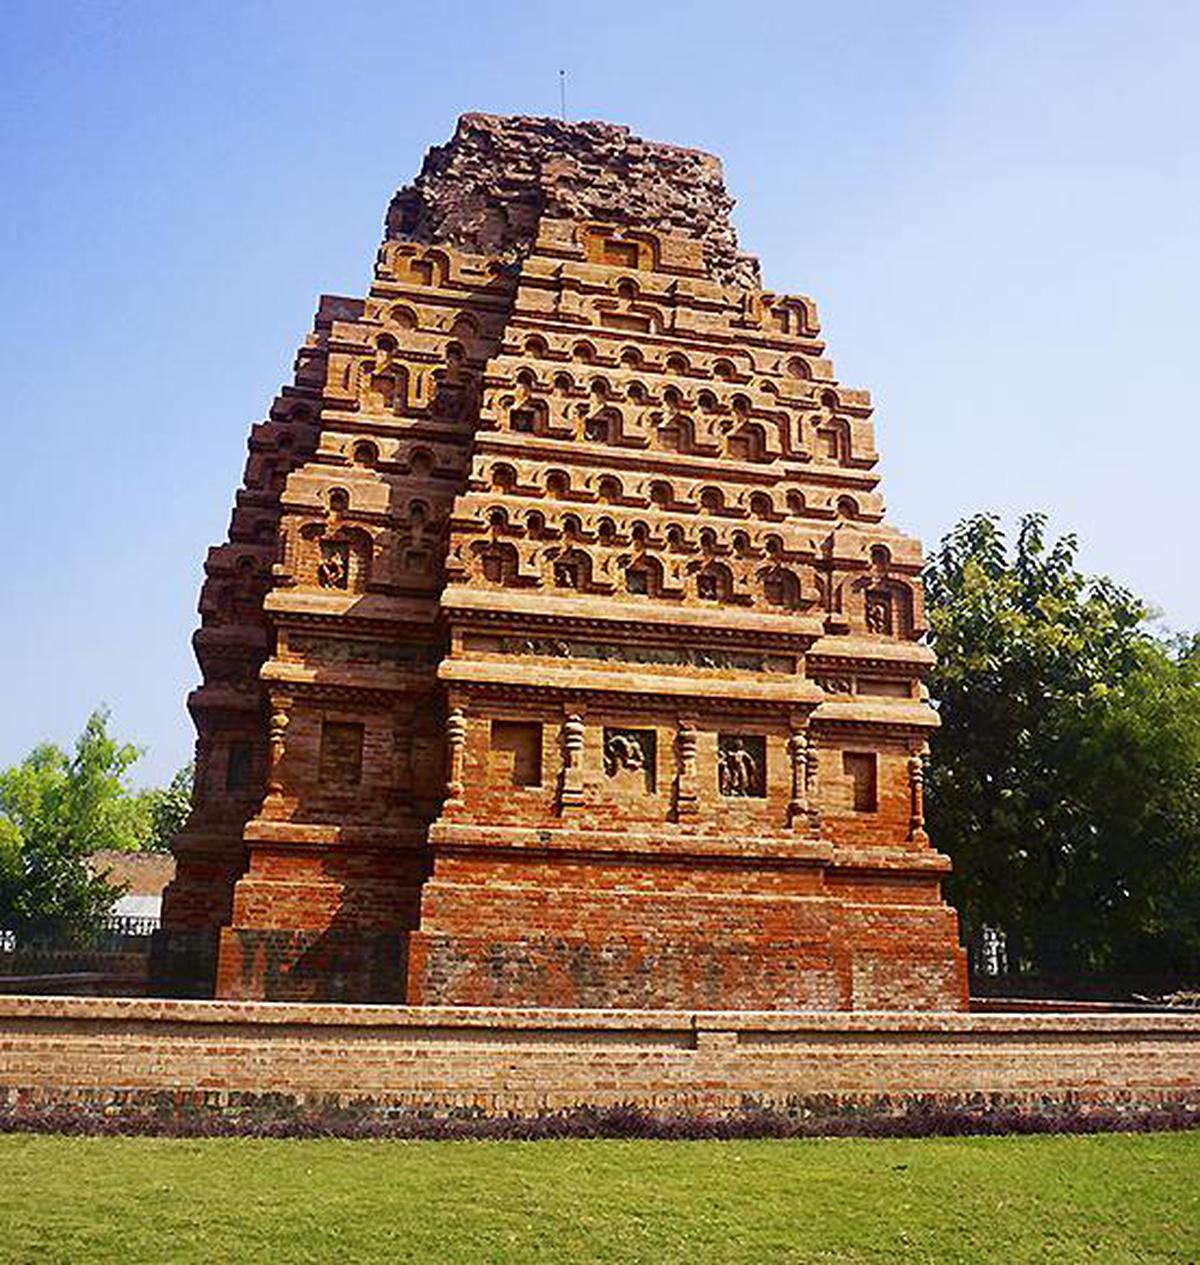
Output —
<point x="126" y="1054"/>
<point x="94" y="972"/>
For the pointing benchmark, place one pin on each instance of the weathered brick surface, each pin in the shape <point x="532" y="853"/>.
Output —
<point x="528" y="1061"/>
<point x="488" y="189"/>
<point x="560" y="653"/>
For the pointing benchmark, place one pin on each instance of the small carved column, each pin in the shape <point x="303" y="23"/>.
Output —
<point x="686" y="793"/>
<point x="811" y="766"/>
<point x="571" y="782"/>
<point x="916" y="788"/>
<point x="456" y="750"/>
<point x="276" y="748"/>
<point x="203" y="772"/>
<point x="797" y="747"/>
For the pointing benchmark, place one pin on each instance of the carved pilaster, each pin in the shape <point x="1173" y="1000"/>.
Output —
<point x="571" y="779"/>
<point x="686" y="779"/>
<point x="456" y="750"/>
<point x="916" y="788"/>
<point x="276" y="749"/>
<point x="797" y="747"/>
<point x="811" y="768"/>
<point x="402" y="759"/>
<point x="203" y="772"/>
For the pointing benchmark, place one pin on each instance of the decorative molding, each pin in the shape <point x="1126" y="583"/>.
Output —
<point x="354" y="650"/>
<point x="616" y="652"/>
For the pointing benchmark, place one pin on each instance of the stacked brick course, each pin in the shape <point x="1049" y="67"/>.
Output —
<point x="131" y="1055"/>
<point x="560" y="654"/>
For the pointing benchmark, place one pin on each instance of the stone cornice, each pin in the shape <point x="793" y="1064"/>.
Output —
<point x="781" y="693"/>
<point x="464" y="604"/>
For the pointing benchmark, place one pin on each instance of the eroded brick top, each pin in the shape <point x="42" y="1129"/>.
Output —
<point x="486" y="188"/>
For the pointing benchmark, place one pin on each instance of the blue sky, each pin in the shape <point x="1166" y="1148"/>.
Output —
<point x="994" y="205"/>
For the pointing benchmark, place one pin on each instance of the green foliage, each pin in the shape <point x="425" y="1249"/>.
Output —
<point x="168" y="809"/>
<point x="55" y="811"/>
<point x="1066" y="775"/>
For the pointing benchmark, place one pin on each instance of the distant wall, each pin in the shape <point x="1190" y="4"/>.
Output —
<point x="525" y="1062"/>
<point x="117" y="972"/>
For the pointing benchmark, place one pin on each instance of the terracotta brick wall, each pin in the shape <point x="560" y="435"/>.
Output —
<point x="629" y="931"/>
<point x="529" y="1061"/>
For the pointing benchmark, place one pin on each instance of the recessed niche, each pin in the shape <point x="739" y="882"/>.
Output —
<point x="861" y="770"/>
<point x="515" y="754"/>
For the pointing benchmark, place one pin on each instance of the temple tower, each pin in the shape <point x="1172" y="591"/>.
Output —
<point x="560" y="654"/>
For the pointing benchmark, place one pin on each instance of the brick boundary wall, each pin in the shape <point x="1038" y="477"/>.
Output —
<point x="132" y="1055"/>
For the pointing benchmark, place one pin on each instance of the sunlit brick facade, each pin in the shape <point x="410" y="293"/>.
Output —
<point x="560" y="654"/>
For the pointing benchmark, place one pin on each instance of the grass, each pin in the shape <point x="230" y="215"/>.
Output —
<point x="1101" y="1198"/>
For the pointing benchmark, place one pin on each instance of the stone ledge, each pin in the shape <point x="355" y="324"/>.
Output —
<point x="168" y="1010"/>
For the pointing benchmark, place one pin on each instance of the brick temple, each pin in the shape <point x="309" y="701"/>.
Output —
<point x="560" y="653"/>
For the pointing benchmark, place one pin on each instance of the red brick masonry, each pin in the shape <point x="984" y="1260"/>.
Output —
<point x="560" y="653"/>
<point x="522" y="1062"/>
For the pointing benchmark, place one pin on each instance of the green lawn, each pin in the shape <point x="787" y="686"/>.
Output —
<point x="1105" y="1198"/>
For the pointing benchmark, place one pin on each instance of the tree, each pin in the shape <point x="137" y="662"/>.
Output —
<point x="55" y="811"/>
<point x="1146" y="742"/>
<point x="1064" y="779"/>
<point x="168" y="809"/>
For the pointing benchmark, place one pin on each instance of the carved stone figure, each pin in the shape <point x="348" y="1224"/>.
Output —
<point x="879" y="613"/>
<point x="739" y="772"/>
<point x="623" y="749"/>
<point x="333" y="571"/>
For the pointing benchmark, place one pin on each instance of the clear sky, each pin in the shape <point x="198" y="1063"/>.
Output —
<point x="996" y="206"/>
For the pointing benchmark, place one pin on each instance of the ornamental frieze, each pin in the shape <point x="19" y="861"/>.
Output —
<point x="353" y="652"/>
<point x="685" y="656"/>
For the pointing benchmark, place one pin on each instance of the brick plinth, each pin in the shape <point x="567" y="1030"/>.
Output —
<point x="713" y="929"/>
<point x="122" y="1053"/>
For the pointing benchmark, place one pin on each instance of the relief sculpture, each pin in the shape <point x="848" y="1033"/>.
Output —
<point x="740" y="761"/>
